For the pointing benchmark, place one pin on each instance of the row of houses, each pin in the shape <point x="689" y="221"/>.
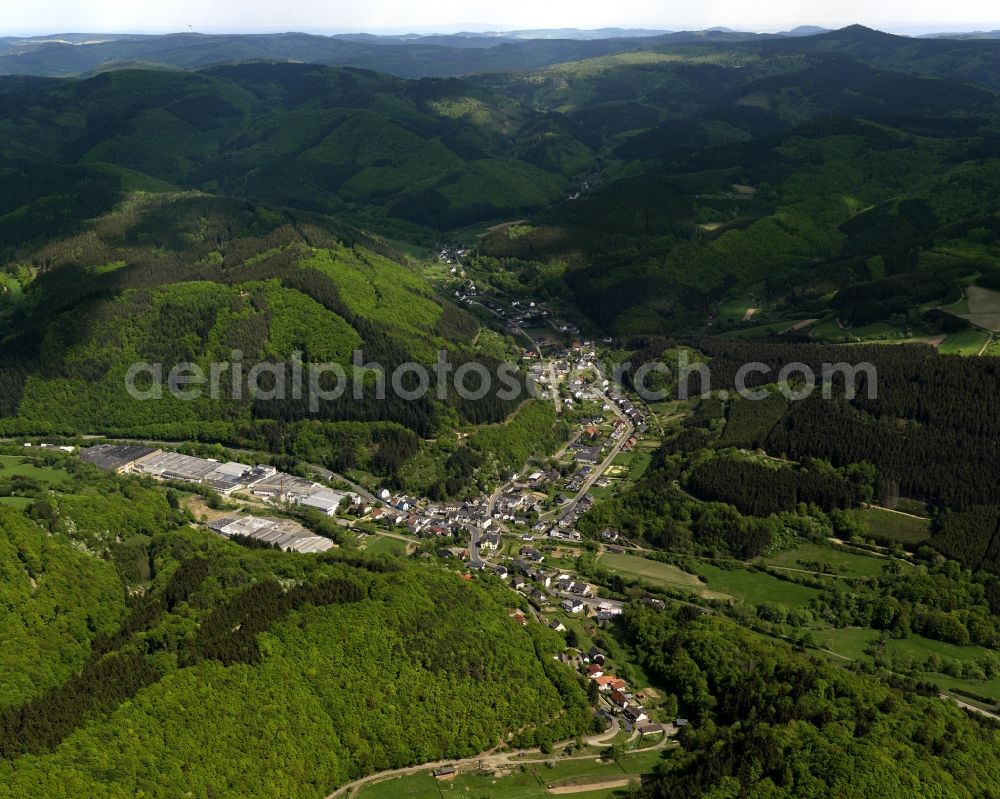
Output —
<point x="625" y="406"/>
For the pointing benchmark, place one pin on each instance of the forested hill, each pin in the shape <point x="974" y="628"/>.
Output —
<point x="782" y="171"/>
<point x="409" y="56"/>
<point x="239" y="672"/>
<point x="659" y="180"/>
<point x="178" y="278"/>
<point x="773" y="724"/>
<point x="430" y="56"/>
<point x="406" y="155"/>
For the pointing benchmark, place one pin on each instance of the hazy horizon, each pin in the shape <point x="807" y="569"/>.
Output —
<point x="472" y="27"/>
<point x="390" y="17"/>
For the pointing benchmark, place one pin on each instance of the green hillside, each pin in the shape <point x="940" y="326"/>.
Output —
<point x="744" y="169"/>
<point x="428" y="153"/>
<point x="355" y="665"/>
<point x="176" y="278"/>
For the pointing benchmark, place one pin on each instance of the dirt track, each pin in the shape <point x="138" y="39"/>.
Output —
<point x="591" y="786"/>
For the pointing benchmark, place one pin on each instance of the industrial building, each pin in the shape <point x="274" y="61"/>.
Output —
<point x="286" y="534"/>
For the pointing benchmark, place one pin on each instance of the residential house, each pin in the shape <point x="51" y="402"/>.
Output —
<point x="532" y="554"/>
<point x="490" y="541"/>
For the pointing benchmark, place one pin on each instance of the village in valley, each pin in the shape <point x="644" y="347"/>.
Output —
<point x="522" y="534"/>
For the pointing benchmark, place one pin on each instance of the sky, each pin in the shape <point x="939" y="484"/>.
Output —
<point x="395" y="16"/>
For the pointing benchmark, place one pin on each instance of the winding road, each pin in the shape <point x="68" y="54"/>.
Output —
<point x="492" y="759"/>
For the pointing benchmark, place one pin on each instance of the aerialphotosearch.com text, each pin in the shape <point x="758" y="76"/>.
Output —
<point x="320" y="383"/>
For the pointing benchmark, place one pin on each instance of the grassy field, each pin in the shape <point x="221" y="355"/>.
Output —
<point x="756" y="588"/>
<point x="16" y="502"/>
<point x="829" y="331"/>
<point x="734" y="310"/>
<point x="918" y="647"/>
<point x="632" y="465"/>
<point x="16" y="465"/>
<point x="575" y="622"/>
<point x="877" y="330"/>
<point x="895" y="526"/>
<point x="849" y="642"/>
<point x="652" y="571"/>
<point x="383" y="545"/>
<point x="836" y="560"/>
<point x="965" y="342"/>
<point x="989" y="688"/>
<point x="527" y="780"/>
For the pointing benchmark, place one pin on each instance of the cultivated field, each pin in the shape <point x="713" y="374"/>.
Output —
<point x="983" y="308"/>
<point x="652" y="571"/>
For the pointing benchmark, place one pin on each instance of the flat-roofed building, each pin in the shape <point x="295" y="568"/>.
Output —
<point x="120" y="458"/>
<point x="285" y="534"/>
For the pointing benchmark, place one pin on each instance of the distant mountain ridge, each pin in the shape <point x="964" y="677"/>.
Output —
<point x="406" y="55"/>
